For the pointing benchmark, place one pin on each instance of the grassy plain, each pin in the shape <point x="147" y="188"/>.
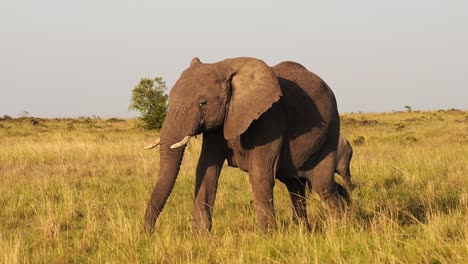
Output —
<point x="75" y="190"/>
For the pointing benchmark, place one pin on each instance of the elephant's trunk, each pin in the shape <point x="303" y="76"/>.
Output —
<point x="170" y="161"/>
<point x="169" y="168"/>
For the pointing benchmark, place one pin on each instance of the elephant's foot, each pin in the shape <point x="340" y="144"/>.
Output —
<point x="201" y="224"/>
<point x="200" y="231"/>
<point x="266" y="223"/>
<point x="338" y="201"/>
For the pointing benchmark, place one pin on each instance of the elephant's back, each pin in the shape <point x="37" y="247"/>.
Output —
<point x="295" y="78"/>
<point x="311" y="109"/>
<point x="288" y="66"/>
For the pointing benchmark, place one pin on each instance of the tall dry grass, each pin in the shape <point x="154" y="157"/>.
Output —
<point x="75" y="190"/>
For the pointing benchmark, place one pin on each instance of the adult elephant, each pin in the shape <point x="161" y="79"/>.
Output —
<point x="280" y="122"/>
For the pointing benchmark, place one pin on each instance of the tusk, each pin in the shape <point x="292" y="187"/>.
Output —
<point x="153" y="145"/>
<point x="181" y="143"/>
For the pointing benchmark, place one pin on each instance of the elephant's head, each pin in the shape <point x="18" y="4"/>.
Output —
<point x="225" y="96"/>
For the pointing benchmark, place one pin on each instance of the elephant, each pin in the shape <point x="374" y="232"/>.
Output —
<point x="343" y="157"/>
<point x="278" y="122"/>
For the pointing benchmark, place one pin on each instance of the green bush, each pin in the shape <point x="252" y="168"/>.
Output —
<point x="149" y="98"/>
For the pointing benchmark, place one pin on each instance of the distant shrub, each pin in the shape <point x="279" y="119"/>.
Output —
<point x="364" y="122"/>
<point x="35" y="122"/>
<point x="370" y="122"/>
<point x="115" y="120"/>
<point x="149" y="98"/>
<point x="6" y="117"/>
<point x="359" y="140"/>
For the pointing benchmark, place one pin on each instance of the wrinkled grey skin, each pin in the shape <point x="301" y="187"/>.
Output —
<point x="344" y="156"/>
<point x="276" y="122"/>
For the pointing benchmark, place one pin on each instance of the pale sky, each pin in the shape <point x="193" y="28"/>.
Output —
<point x="74" y="58"/>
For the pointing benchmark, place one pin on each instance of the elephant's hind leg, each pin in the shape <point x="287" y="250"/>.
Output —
<point x="323" y="181"/>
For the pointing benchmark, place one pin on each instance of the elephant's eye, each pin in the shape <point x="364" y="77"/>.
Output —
<point x="202" y="102"/>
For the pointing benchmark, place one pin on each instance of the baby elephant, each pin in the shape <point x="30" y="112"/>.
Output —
<point x="343" y="158"/>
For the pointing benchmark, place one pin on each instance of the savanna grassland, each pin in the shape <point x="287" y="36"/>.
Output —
<point x="75" y="190"/>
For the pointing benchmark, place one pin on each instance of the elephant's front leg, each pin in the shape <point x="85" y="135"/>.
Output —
<point x="262" y="174"/>
<point x="209" y="167"/>
<point x="264" y="140"/>
<point x="262" y="187"/>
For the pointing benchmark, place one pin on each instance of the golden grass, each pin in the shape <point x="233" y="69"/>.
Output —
<point x="75" y="190"/>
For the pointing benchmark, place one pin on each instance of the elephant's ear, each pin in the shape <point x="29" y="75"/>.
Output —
<point x="254" y="88"/>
